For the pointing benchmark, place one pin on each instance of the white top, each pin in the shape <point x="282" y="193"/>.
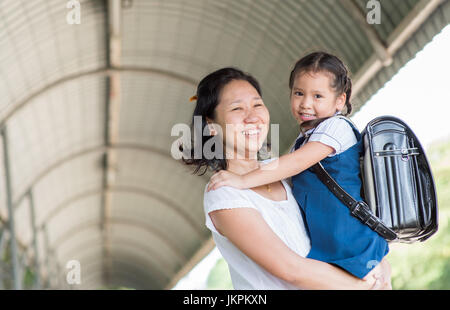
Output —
<point x="335" y="132"/>
<point x="282" y="216"/>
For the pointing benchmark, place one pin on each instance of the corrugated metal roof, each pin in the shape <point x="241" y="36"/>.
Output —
<point x="57" y="84"/>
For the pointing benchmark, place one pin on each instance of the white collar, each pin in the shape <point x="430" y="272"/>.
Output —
<point x="309" y="131"/>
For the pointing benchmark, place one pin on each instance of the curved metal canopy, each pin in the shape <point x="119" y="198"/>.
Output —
<point x="86" y="112"/>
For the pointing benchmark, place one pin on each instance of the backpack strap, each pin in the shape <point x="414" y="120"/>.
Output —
<point x="358" y="209"/>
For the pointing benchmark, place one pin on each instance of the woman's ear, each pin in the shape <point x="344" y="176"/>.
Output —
<point x="212" y="130"/>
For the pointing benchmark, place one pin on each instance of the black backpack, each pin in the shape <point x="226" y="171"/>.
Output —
<point x="400" y="200"/>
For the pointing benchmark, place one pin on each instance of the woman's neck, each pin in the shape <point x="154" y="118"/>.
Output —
<point x="242" y="166"/>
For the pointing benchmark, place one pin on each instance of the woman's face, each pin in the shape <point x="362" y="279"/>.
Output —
<point x="243" y="119"/>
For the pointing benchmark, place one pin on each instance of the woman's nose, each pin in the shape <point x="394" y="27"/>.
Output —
<point x="251" y="117"/>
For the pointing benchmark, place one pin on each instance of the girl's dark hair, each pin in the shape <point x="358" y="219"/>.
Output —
<point x="207" y="96"/>
<point x="324" y="62"/>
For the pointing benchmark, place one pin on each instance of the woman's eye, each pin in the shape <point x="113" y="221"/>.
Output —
<point x="258" y="105"/>
<point x="235" y="109"/>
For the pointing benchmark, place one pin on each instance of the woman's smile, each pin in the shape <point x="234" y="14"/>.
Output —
<point x="243" y="117"/>
<point x="252" y="133"/>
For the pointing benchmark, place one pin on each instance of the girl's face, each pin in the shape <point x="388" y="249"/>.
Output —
<point x="243" y="119"/>
<point x="313" y="97"/>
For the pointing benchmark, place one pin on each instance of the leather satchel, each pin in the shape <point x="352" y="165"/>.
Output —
<point x="399" y="193"/>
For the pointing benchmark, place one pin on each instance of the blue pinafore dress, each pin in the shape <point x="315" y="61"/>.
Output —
<point x="336" y="236"/>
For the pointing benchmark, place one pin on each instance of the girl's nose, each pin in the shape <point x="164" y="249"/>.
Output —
<point x="306" y="102"/>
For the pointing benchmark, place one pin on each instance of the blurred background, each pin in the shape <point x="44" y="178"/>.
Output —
<point x="90" y="196"/>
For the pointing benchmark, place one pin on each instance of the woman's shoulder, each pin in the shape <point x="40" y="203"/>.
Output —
<point x="223" y="193"/>
<point x="225" y="197"/>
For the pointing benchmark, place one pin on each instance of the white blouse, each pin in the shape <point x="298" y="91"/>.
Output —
<point x="282" y="216"/>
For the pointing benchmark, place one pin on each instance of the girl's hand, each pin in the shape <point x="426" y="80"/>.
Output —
<point x="380" y="276"/>
<point x="226" y="178"/>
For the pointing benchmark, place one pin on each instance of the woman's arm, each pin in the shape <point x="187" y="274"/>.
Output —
<point x="249" y="232"/>
<point x="278" y="169"/>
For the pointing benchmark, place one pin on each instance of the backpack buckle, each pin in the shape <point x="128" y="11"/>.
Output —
<point x="362" y="212"/>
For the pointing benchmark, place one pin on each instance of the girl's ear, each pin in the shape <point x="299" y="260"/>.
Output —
<point x="340" y="101"/>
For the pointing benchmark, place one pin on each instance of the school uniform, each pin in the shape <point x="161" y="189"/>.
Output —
<point x="336" y="236"/>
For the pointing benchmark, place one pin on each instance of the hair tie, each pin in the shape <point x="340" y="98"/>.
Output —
<point x="193" y="98"/>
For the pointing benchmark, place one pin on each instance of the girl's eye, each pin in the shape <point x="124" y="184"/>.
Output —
<point x="317" y="96"/>
<point x="298" y="93"/>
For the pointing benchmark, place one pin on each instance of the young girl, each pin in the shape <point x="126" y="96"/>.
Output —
<point x="320" y="89"/>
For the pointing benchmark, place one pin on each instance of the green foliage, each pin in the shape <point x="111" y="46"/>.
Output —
<point x="427" y="265"/>
<point x="414" y="266"/>
<point x="219" y="277"/>
<point x="29" y="278"/>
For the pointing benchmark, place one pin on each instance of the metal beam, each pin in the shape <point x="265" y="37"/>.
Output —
<point x="121" y="242"/>
<point x="114" y="221"/>
<point x="377" y="43"/>
<point x="130" y="276"/>
<point x="127" y="189"/>
<point x="204" y="250"/>
<point x="17" y="281"/>
<point x="99" y="148"/>
<point x="143" y="267"/>
<point x="395" y="41"/>
<point x="101" y="72"/>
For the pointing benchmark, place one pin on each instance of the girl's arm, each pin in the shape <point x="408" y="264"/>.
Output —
<point x="285" y="166"/>
<point x="249" y="232"/>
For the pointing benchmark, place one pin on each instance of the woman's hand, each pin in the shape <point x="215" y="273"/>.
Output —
<point x="380" y="276"/>
<point x="226" y="178"/>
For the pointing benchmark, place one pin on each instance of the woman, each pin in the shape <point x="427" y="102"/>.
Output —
<point x="260" y="231"/>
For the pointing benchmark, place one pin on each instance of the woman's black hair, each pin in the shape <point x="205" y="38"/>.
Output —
<point x="324" y="62"/>
<point x="208" y="96"/>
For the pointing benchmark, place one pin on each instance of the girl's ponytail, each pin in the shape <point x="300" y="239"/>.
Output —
<point x="348" y="93"/>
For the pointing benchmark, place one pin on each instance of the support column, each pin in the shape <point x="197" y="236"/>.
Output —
<point x="3" y="241"/>
<point x="37" y="279"/>
<point x="113" y="100"/>
<point x="17" y="281"/>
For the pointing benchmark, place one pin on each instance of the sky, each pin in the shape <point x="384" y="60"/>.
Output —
<point x="419" y="94"/>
